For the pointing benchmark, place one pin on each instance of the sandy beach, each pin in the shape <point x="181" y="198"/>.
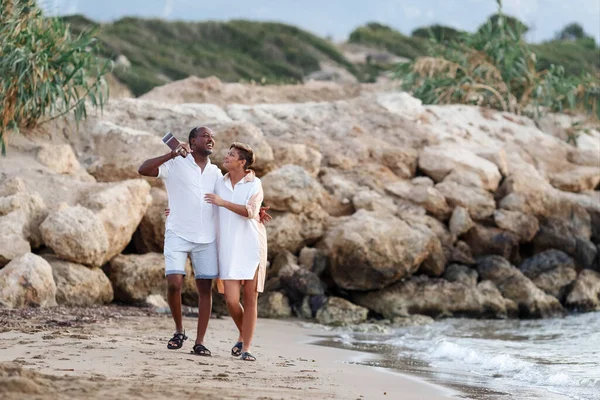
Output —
<point x="120" y="353"/>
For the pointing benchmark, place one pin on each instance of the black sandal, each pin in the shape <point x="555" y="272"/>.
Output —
<point x="201" y="350"/>
<point x="177" y="341"/>
<point x="246" y="356"/>
<point x="236" y="350"/>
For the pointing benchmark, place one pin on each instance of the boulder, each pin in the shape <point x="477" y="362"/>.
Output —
<point x="76" y="234"/>
<point x="370" y="251"/>
<point x="426" y="196"/>
<point x="439" y="161"/>
<point x="553" y="271"/>
<point x="313" y="259"/>
<point x="288" y="231"/>
<point x="370" y="200"/>
<point x="32" y="210"/>
<point x="291" y="188"/>
<point x="135" y="277"/>
<point x="461" y="253"/>
<point x="479" y="202"/>
<point x="120" y="207"/>
<point x="577" y="179"/>
<point x="435" y="297"/>
<point x="532" y="301"/>
<point x="274" y="305"/>
<point x="340" y="312"/>
<point x="227" y="133"/>
<point x="484" y="240"/>
<point x="523" y="225"/>
<point x="78" y="285"/>
<point x="585" y="295"/>
<point x="13" y="240"/>
<point x="119" y="151"/>
<point x="461" y="221"/>
<point x="296" y="154"/>
<point x="59" y="158"/>
<point x="561" y="234"/>
<point x="150" y="234"/>
<point x="27" y="281"/>
<point x="284" y="263"/>
<point x="300" y="283"/>
<point x="401" y="161"/>
<point x="461" y="273"/>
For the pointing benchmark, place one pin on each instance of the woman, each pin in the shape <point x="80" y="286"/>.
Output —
<point x="242" y="242"/>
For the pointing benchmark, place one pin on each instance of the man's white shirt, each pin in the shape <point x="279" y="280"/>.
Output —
<point x="190" y="217"/>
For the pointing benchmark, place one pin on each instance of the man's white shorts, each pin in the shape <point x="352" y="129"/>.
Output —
<point x="203" y="256"/>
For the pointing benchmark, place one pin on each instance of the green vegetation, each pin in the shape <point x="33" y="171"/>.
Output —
<point x="383" y="36"/>
<point x="160" y="51"/>
<point x="46" y="71"/>
<point x="496" y="68"/>
<point x="439" y="33"/>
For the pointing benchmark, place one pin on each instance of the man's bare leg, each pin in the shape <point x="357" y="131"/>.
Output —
<point x="204" y="287"/>
<point x="174" y="283"/>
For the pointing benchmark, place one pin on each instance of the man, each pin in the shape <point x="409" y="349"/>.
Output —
<point x="191" y="229"/>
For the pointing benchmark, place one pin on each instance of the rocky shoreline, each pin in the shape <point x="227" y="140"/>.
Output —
<point x="382" y="207"/>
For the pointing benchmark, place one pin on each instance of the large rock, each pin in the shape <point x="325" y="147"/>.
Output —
<point x="274" y="305"/>
<point x="585" y="295"/>
<point x="401" y="161"/>
<point x="461" y="273"/>
<point x="370" y="251"/>
<point x="227" y="133"/>
<point x="119" y="151"/>
<point x="439" y="161"/>
<point x="78" y="285"/>
<point x="370" y="200"/>
<point x="13" y="240"/>
<point x="150" y="234"/>
<point x="340" y="312"/>
<point x="426" y="196"/>
<point x="120" y="207"/>
<point x="301" y="283"/>
<point x="578" y="179"/>
<point x="291" y="188"/>
<point x="479" y="202"/>
<point x="523" y="225"/>
<point x="563" y="235"/>
<point x="135" y="277"/>
<point x="313" y="259"/>
<point x="484" y="240"/>
<point x="296" y="154"/>
<point x="437" y="298"/>
<point x="27" y="282"/>
<point x="553" y="271"/>
<point x="76" y="234"/>
<point x="460" y="222"/>
<point x="292" y="232"/>
<point x="32" y="210"/>
<point x="59" y="158"/>
<point x="532" y="301"/>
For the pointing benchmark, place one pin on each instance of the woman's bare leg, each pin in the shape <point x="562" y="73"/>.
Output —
<point x="232" y="299"/>
<point x="250" y="312"/>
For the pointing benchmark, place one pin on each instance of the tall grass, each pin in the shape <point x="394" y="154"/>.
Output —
<point x="495" y="67"/>
<point x="46" y="71"/>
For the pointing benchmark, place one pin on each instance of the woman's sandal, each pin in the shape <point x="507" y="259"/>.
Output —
<point x="176" y="341"/>
<point x="236" y="350"/>
<point x="201" y="350"/>
<point x="246" y="356"/>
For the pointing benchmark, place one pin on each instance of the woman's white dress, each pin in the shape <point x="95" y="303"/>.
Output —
<point x="242" y="241"/>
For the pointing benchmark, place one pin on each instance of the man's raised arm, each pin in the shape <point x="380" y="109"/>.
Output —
<point x="150" y="167"/>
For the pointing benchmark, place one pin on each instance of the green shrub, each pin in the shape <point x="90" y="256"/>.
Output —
<point x="495" y="67"/>
<point x="46" y="71"/>
<point x="383" y="36"/>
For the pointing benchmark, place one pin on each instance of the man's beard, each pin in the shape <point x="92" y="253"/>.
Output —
<point x="204" y="152"/>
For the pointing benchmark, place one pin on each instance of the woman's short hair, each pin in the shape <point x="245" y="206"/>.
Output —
<point x="245" y="152"/>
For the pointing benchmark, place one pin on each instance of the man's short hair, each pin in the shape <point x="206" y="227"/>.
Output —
<point x="197" y="131"/>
